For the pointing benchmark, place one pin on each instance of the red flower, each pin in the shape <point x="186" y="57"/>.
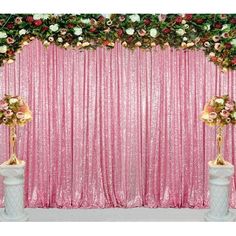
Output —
<point x="29" y="19"/>
<point x="45" y="28"/>
<point x="214" y="59"/>
<point x="147" y="21"/>
<point x="101" y="18"/>
<point x="233" y="21"/>
<point x="188" y="16"/>
<point x="38" y="22"/>
<point x="199" y="20"/>
<point x="166" y="30"/>
<point x="106" y="42"/>
<point x="228" y="45"/>
<point x="10" y="52"/>
<point x="92" y="29"/>
<point x="130" y="39"/>
<point x="70" y="25"/>
<point x="233" y="61"/>
<point x="218" y="25"/>
<point x="119" y="32"/>
<point x="10" y="25"/>
<point x="178" y="20"/>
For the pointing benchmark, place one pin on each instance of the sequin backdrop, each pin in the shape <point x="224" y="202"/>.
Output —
<point x="115" y="128"/>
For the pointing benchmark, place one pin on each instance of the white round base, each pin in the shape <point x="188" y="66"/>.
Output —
<point x="4" y="217"/>
<point x="229" y="217"/>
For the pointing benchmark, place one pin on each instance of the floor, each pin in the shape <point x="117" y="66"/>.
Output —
<point x="116" y="214"/>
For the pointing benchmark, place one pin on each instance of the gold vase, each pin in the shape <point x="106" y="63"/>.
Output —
<point x="219" y="139"/>
<point x="13" y="158"/>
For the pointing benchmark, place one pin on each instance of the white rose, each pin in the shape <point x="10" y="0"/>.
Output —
<point x="40" y="16"/>
<point x="78" y="31"/>
<point x="37" y="16"/>
<point x="3" y="35"/>
<point x="207" y="27"/>
<point x="13" y="100"/>
<point x="186" y="26"/>
<point x="22" y="32"/>
<point x="85" y="21"/>
<point x="153" y="33"/>
<point x="185" y="39"/>
<point x="54" y="27"/>
<point x="107" y="15"/>
<point x="3" y="49"/>
<point x="60" y="40"/>
<point x="180" y="32"/>
<point x="220" y="101"/>
<point x="130" y="31"/>
<point x="80" y="38"/>
<point x="233" y="42"/>
<point x="225" y="26"/>
<point x="134" y="18"/>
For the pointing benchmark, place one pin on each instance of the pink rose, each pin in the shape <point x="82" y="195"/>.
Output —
<point x="3" y="105"/>
<point x="162" y="17"/>
<point x="8" y="113"/>
<point x="229" y="106"/>
<point x="224" y="113"/>
<point x="20" y="115"/>
<point x="212" y="115"/>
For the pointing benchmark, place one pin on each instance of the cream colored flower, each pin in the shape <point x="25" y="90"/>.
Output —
<point x="85" y="21"/>
<point x="220" y="101"/>
<point x="13" y="100"/>
<point x="180" y="32"/>
<point x="60" y="40"/>
<point x="185" y="39"/>
<point x="207" y="27"/>
<point x="134" y="18"/>
<point x="153" y="33"/>
<point x="225" y="27"/>
<point x="130" y="31"/>
<point x="78" y="31"/>
<point x="190" y="44"/>
<point x="138" y="44"/>
<point x="22" y="32"/>
<point x="186" y="26"/>
<point x="3" y="35"/>
<point x="233" y="115"/>
<point x="3" y="49"/>
<point x="54" y="27"/>
<point x="233" y="42"/>
<point x="85" y="44"/>
<point x="40" y="16"/>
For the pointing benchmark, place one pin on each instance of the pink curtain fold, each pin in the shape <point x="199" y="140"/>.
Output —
<point x="116" y="128"/>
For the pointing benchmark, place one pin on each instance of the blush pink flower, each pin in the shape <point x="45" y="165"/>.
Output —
<point x="224" y="113"/>
<point x="229" y="106"/>
<point x="8" y="113"/>
<point x="20" y="115"/>
<point x="213" y="115"/>
<point x="3" y="105"/>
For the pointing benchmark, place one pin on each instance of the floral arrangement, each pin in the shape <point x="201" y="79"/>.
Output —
<point x="14" y="111"/>
<point x="219" y="111"/>
<point x="215" y="34"/>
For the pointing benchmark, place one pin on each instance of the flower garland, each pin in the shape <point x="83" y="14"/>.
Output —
<point x="215" y="34"/>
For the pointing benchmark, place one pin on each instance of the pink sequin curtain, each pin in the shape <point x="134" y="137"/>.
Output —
<point x="116" y="128"/>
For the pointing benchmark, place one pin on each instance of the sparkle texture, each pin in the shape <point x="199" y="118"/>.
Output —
<point x="116" y="128"/>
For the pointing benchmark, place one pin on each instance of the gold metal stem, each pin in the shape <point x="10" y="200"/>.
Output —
<point x="219" y="138"/>
<point x="13" y="158"/>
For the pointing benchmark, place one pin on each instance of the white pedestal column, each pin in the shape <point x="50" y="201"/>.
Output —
<point x="13" y="192"/>
<point x="219" y="182"/>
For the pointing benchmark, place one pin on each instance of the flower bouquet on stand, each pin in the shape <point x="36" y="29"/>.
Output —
<point x="13" y="112"/>
<point x="219" y="111"/>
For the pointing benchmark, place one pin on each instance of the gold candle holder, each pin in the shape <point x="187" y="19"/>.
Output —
<point x="219" y="139"/>
<point x="13" y="158"/>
